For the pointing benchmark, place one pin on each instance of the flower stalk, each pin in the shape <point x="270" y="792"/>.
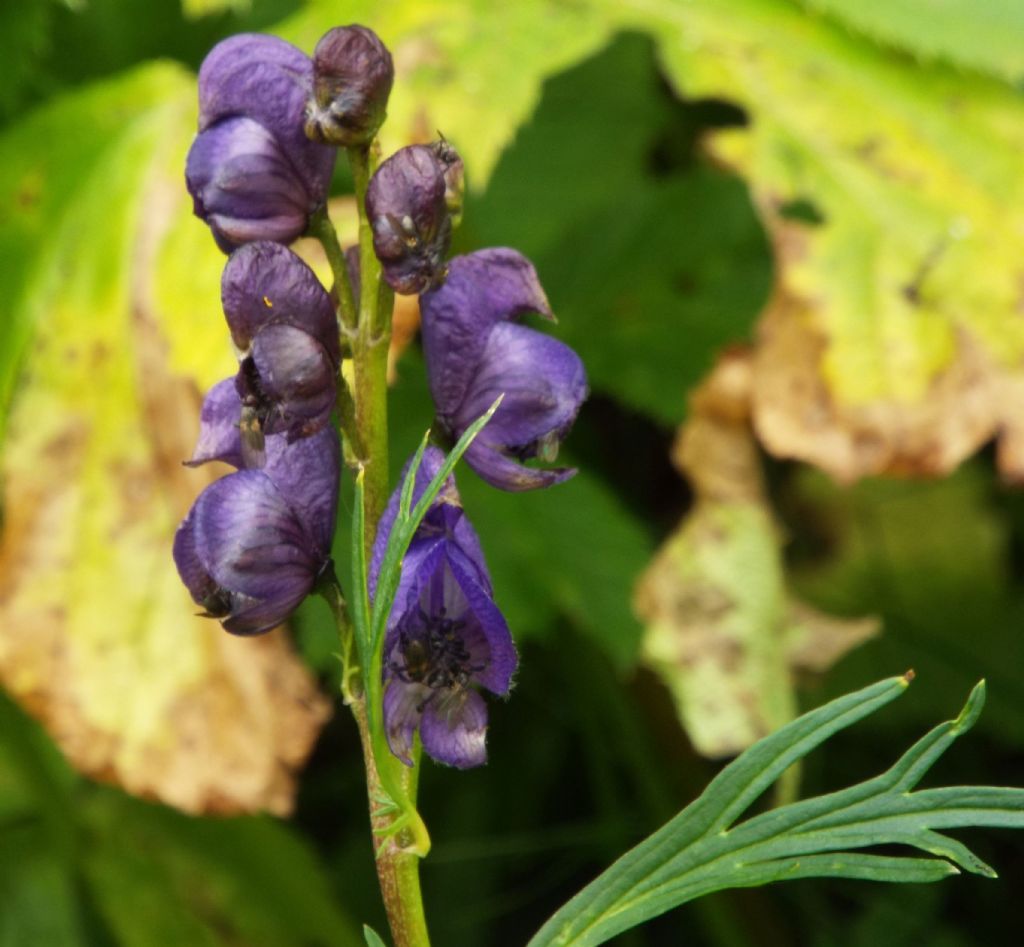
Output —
<point x="399" y="836"/>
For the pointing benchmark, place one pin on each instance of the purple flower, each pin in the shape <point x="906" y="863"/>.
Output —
<point x="411" y="202"/>
<point x="445" y="636"/>
<point x="285" y="331"/>
<point x="252" y="172"/>
<point x="475" y="351"/>
<point x="352" y="78"/>
<point x="256" y="541"/>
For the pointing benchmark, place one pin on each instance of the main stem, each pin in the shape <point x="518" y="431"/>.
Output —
<point x="370" y="354"/>
<point x="397" y="869"/>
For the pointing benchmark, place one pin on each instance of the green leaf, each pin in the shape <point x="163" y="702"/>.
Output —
<point x="979" y="34"/>
<point x="24" y="41"/>
<point x="38" y="897"/>
<point x="700" y="851"/>
<point x="372" y="937"/>
<point x="158" y="877"/>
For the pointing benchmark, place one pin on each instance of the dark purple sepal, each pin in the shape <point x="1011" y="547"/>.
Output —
<point x="244" y="187"/>
<point x="288" y="381"/>
<point x="255" y="542"/>
<point x="352" y="78"/>
<point x="218" y="427"/>
<point x="481" y="290"/>
<point x="243" y="555"/>
<point x="475" y="351"/>
<point x="407" y="203"/>
<point x="446" y="637"/>
<point x="444" y="520"/>
<point x="266" y="284"/>
<point x="454" y="729"/>
<point x="306" y="474"/>
<point x="268" y="80"/>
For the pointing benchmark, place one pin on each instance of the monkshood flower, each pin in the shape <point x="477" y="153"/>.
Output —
<point x="475" y="351"/>
<point x="286" y="334"/>
<point x="352" y="78"/>
<point x="252" y="172"/>
<point x="255" y="542"/>
<point x="411" y="202"/>
<point x="445" y="635"/>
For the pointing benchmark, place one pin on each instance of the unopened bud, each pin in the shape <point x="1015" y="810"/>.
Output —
<point x="409" y="202"/>
<point x="352" y="77"/>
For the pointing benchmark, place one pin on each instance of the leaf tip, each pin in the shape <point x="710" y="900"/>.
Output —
<point x="972" y="709"/>
<point x="909" y="676"/>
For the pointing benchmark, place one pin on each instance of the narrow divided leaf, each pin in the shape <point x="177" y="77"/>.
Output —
<point x="698" y="851"/>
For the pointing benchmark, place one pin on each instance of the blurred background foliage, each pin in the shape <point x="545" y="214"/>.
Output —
<point x="822" y="198"/>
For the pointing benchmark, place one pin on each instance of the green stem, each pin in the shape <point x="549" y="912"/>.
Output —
<point x="397" y="867"/>
<point x="370" y="349"/>
<point x="398" y="831"/>
<point x="320" y="226"/>
<point x="322" y="229"/>
<point x="330" y="590"/>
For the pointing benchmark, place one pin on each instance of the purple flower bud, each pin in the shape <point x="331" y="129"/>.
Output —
<point x="255" y="542"/>
<point x="445" y="636"/>
<point x="252" y="172"/>
<point x="352" y="78"/>
<point x="284" y="327"/>
<point x="407" y="202"/>
<point x="475" y="351"/>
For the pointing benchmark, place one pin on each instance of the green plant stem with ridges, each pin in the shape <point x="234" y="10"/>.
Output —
<point x="397" y="867"/>
<point x="322" y="229"/>
<point x="370" y="351"/>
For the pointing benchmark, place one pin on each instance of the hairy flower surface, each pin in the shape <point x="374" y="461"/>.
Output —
<point x="255" y="542"/>
<point x="352" y="78"/>
<point x="284" y="328"/>
<point x="475" y="351"/>
<point x="411" y="201"/>
<point x="446" y="637"/>
<point x="252" y="172"/>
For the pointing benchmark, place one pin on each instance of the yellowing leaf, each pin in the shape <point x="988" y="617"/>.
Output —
<point x="987" y="35"/>
<point x="194" y="9"/>
<point x="98" y="637"/>
<point x="894" y="196"/>
<point x="722" y="630"/>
